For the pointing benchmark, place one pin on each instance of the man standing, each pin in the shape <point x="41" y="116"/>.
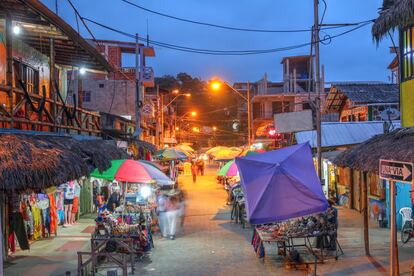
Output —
<point x="114" y="200"/>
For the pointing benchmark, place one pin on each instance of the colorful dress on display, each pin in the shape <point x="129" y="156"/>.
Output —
<point x="53" y="214"/>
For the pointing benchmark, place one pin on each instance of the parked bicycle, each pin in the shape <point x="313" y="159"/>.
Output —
<point x="238" y="211"/>
<point x="407" y="231"/>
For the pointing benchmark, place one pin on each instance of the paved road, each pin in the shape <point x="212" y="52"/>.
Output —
<point x="211" y="245"/>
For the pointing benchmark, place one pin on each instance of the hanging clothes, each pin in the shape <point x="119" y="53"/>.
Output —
<point x="37" y="223"/>
<point x="53" y="214"/>
<point x="59" y="206"/>
<point x="17" y="228"/>
<point x="148" y="156"/>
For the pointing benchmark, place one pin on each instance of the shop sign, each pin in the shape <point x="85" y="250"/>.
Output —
<point x="396" y="170"/>
<point x="187" y="168"/>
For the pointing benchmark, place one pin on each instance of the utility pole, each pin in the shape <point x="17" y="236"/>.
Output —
<point x="317" y="85"/>
<point x="159" y="109"/>
<point x="162" y="121"/>
<point x="138" y="100"/>
<point x="249" y="127"/>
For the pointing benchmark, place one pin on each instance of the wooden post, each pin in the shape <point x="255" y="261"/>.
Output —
<point x="9" y="65"/>
<point x="52" y="83"/>
<point x="394" y="265"/>
<point x="365" y="212"/>
<point x="351" y="189"/>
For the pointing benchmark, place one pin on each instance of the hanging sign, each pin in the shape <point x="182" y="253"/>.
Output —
<point x="396" y="170"/>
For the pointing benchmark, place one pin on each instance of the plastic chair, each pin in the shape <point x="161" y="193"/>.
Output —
<point x="406" y="215"/>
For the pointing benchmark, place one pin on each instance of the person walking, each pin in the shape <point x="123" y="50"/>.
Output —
<point x="162" y="214"/>
<point x="194" y="169"/>
<point x="172" y="215"/>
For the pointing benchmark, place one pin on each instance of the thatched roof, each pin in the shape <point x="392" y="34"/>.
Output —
<point x="394" y="14"/>
<point x="396" y="145"/>
<point x="37" y="161"/>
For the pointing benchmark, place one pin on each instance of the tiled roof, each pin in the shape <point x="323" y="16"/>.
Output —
<point x="369" y="92"/>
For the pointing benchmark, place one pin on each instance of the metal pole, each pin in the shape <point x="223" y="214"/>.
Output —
<point x="162" y="121"/>
<point x="394" y="266"/>
<point x="158" y="139"/>
<point x="317" y="86"/>
<point x="137" y="132"/>
<point x="248" y="115"/>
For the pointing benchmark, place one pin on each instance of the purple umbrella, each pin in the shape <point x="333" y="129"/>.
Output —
<point x="281" y="184"/>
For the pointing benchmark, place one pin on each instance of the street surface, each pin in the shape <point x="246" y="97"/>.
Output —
<point x="211" y="245"/>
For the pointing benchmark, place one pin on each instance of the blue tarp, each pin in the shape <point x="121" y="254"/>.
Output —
<point x="281" y="184"/>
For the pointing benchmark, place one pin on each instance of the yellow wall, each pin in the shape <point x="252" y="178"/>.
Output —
<point x="407" y="103"/>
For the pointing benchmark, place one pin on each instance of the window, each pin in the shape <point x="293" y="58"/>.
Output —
<point x="280" y="107"/>
<point x="28" y="75"/>
<point x="257" y="110"/>
<point x="86" y="96"/>
<point x="101" y="85"/>
<point x="375" y="185"/>
<point x="407" y="54"/>
<point x="306" y="106"/>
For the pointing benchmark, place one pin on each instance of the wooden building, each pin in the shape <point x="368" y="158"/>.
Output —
<point x="359" y="172"/>
<point x="39" y="50"/>
<point x="361" y="101"/>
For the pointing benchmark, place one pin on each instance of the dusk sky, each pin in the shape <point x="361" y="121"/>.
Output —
<point x="351" y="57"/>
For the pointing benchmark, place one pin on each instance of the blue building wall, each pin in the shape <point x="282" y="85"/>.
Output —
<point x="403" y="199"/>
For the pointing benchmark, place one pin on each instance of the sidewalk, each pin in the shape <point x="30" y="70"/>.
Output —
<point x="53" y="256"/>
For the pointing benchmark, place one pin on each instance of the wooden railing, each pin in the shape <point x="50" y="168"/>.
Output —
<point x="16" y="112"/>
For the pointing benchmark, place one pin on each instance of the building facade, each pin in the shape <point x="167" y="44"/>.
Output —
<point x="363" y="101"/>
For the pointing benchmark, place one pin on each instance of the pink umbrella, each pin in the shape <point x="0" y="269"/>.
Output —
<point x="233" y="170"/>
<point x="133" y="171"/>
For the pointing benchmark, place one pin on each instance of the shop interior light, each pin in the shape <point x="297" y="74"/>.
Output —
<point x="145" y="191"/>
<point x="82" y="70"/>
<point x="17" y="29"/>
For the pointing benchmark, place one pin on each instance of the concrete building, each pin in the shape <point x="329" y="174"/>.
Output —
<point x="116" y="93"/>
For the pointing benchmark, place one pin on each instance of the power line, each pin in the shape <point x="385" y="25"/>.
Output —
<point x="228" y="52"/>
<point x="220" y="26"/>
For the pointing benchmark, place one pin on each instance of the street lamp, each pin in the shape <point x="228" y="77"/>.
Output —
<point x="192" y="113"/>
<point x="216" y="85"/>
<point x="176" y="97"/>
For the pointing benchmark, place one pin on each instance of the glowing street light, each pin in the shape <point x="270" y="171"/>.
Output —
<point x="214" y="128"/>
<point x="216" y="85"/>
<point x="193" y="113"/>
<point x="175" y="91"/>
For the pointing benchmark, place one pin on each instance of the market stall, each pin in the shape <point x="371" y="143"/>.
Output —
<point x="281" y="186"/>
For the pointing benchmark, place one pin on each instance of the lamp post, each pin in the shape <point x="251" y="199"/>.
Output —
<point x="179" y="127"/>
<point x="162" y="106"/>
<point x="216" y="85"/>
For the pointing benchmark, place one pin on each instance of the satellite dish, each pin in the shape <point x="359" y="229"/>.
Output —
<point x="390" y="114"/>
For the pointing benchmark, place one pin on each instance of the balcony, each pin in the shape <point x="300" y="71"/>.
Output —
<point x="54" y="117"/>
